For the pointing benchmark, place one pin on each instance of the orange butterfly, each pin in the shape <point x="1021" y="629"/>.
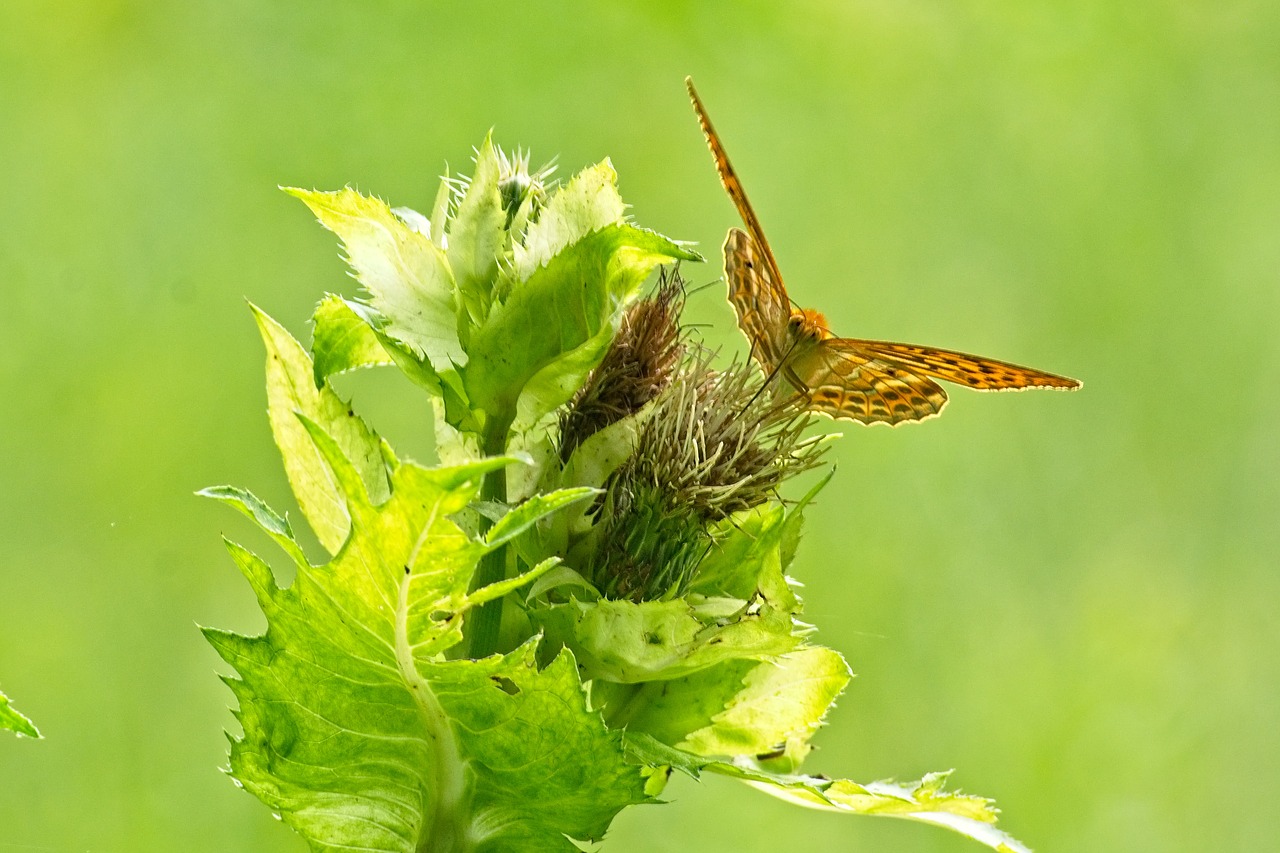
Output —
<point x="866" y="381"/>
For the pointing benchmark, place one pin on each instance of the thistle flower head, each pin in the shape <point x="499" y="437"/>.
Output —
<point x="516" y="183"/>
<point x="638" y="365"/>
<point x="715" y="444"/>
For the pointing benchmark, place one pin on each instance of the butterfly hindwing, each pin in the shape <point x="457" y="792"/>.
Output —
<point x="844" y="381"/>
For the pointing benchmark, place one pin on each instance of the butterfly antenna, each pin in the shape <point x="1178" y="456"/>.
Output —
<point x="703" y="287"/>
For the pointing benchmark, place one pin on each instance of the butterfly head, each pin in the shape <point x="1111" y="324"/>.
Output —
<point x="806" y="324"/>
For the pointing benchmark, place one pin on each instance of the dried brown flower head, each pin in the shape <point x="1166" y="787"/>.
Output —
<point x="638" y="365"/>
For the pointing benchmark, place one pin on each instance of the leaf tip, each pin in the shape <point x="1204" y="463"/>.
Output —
<point x="688" y="253"/>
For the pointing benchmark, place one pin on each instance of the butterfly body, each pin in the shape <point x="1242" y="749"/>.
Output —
<point x="871" y="382"/>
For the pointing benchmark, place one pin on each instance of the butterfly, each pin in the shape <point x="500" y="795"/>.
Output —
<point x="872" y="382"/>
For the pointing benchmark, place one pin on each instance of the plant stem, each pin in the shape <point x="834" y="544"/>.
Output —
<point x="618" y="713"/>
<point x="486" y="621"/>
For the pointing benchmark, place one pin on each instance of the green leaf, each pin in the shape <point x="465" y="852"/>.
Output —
<point x="477" y="237"/>
<point x="589" y="202"/>
<point x="746" y="708"/>
<point x="343" y="340"/>
<point x="545" y="767"/>
<point x="555" y="383"/>
<point x="752" y="552"/>
<point x="631" y="642"/>
<point x="15" y="722"/>
<point x="524" y="516"/>
<point x="795" y="520"/>
<point x="250" y="505"/>
<point x="924" y="801"/>
<point x="563" y="577"/>
<point x="406" y="275"/>
<point x="748" y="559"/>
<point x="358" y="732"/>
<point x="781" y="705"/>
<point x="440" y="210"/>
<point x="291" y="389"/>
<point x="538" y="441"/>
<point x="573" y="302"/>
<point x="498" y="589"/>
<point x="415" y="220"/>
<point x="349" y="335"/>
<point x="590" y="464"/>
<point x="604" y="451"/>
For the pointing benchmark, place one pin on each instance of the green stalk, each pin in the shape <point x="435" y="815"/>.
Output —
<point x="486" y="621"/>
<point x="629" y="699"/>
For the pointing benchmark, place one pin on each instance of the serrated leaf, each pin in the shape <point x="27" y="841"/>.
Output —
<point x="779" y="703"/>
<point x="440" y="211"/>
<point x="343" y="340"/>
<point x="15" y="722"/>
<point x="631" y="642"/>
<point x="748" y="558"/>
<point x="924" y="801"/>
<point x="291" y="389"/>
<point x="415" y="220"/>
<point x="498" y="589"/>
<point x="247" y="503"/>
<point x="545" y="767"/>
<point x="454" y="446"/>
<point x="349" y="335"/>
<point x="563" y="577"/>
<point x="794" y="524"/>
<point x="557" y="381"/>
<point x="477" y="237"/>
<point x="604" y="450"/>
<point x="358" y="732"/>
<point x="587" y="203"/>
<point x="744" y="707"/>
<point x="573" y="302"/>
<point x="520" y="519"/>
<point x="538" y="441"/>
<point x="406" y="275"/>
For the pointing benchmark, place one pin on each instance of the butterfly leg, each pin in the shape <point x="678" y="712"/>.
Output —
<point x="794" y="380"/>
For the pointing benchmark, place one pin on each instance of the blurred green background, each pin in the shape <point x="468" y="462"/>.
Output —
<point x="1069" y="598"/>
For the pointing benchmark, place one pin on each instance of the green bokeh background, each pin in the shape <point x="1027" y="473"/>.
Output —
<point x="1069" y="598"/>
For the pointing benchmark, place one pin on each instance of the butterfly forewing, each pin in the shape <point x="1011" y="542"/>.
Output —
<point x="729" y="180"/>
<point x="757" y="297"/>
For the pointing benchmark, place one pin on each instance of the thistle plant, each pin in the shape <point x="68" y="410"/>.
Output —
<point x="588" y="593"/>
